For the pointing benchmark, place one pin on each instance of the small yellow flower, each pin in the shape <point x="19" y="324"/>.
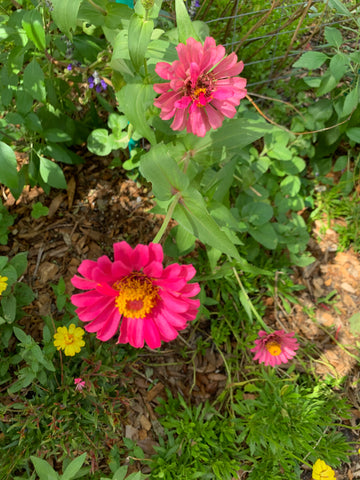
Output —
<point x="70" y="340"/>
<point x="321" y="471"/>
<point x="3" y="284"/>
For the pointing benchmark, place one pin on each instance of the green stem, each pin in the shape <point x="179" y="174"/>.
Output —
<point x="253" y="309"/>
<point x="97" y="7"/>
<point x="167" y="219"/>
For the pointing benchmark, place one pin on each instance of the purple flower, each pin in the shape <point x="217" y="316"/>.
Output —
<point x="97" y="82"/>
<point x="69" y="67"/>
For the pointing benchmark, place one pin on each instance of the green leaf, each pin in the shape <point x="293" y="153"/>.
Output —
<point x="21" y="336"/>
<point x="183" y="22"/>
<point x="8" y="164"/>
<point x="192" y="214"/>
<point x="290" y="185"/>
<point x="328" y="83"/>
<point x="25" y="378"/>
<point x="34" y="81"/>
<point x="39" y="210"/>
<point x="3" y="262"/>
<point x="339" y="7"/>
<point x="19" y="262"/>
<point x="99" y="142"/>
<point x="338" y="65"/>
<point x="246" y="304"/>
<point x="140" y="31"/>
<point x="51" y="173"/>
<point x="32" y="23"/>
<point x="43" y="469"/>
<point x="159" y="167"/>
<point x="258" y="213"/>
<point x="354" y="134"/>
<point x="265" y="235"/>
<point x="311" y="60"/>
<point x="351" y="101"/>
<point x="24" y="294"/>
<point x="9" y="308"/>
<point x="65" y="15"/>
<point x="56" y="135"/>
<point x="333" y="36"/>
<point x="72" y="469"/>
<point x="134" y="100"/>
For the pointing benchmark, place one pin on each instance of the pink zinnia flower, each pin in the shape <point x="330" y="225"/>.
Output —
<point x="275" y="348"/>
<point x="203" y="87"/>
<point x="136" y="295"/>
<point x="80" y="384"/>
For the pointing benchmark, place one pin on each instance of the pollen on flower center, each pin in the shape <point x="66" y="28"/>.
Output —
<point x="273" y="348"/>
<point x="137" y="295"/>
<point x="68" y="339"/>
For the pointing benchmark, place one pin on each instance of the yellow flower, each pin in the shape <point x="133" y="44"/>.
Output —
<point x="3" y="284"/>
<point x="321" y="471"/>
<point x="69" y="340"/>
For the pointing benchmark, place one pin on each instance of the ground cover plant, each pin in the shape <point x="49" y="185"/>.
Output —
<point x="153" y="317"/>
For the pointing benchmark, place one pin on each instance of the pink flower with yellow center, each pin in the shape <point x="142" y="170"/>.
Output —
<point x="275" y="348"/>
<point x="203" y="87"/>
<point x="136" y="296"/>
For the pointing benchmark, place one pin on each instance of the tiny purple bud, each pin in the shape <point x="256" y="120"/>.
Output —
<point x="69" y="67"/>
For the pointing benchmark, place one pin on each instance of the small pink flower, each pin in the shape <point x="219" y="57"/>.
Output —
<point x="80" y="384"/>
<point x="203" y="87"/>
<point x="275" y="348"/>
<point x="136" y="295"/>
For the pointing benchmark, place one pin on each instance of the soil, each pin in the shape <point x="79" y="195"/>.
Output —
<point x="102" y="206"/>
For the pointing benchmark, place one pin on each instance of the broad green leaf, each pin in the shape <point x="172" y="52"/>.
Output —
<point x="183" y="22"/>
<point x="257" y="213"/>
<point x="9" y="308"/>
<point x="19" y="262"/>
<point x="99" y="142"/>
<point x="22" y="336"/>
<point x="351" y="101"/>
<point x="90" y="14"/>
<point x="338" y="65"/>
<point x="159" y="167"/>
<point x="354" y="134"/>
<point x="3" y="262"/>
<point x="34" y="81"/>
<point x="8" y="164"/>
<point x="328" y="83"/>
<point x="192" y="214"/>
<point x="32" y="23"/>
<point x="65" y="15"/>
<point x="56" y="135"/>
<point x="134" y="100"/>
<point x="311" y="60"/>
<point x="265" y="235"/>
<point x="25" y="378"/>
<point x="340" y="7"/>
<point x="117" y="123"/>
<point x="140" y="31"/>
<point x="9" y="272"/>
<point x="43" y="469"/>
<point x="333" y="36"/>
<point x="51" y="173"/>
<point x="290" y="185"/>
<point x="72" y="469"/>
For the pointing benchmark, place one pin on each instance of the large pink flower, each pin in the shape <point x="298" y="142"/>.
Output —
<point x="203" y="87"/>
<point x="275" y="348"/>
<point x="137" y="295"/>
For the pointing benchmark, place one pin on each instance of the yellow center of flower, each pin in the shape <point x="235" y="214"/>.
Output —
<point x="69" y="338"/>
<point x="197" y="92"/>
<point x="273" y="348"/>
<point x="137" y="295"/>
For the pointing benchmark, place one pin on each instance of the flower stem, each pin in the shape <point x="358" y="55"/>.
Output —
<point x="253" y="309"/>
<point x="98" y="7"/>
<point x="167" y="218"/>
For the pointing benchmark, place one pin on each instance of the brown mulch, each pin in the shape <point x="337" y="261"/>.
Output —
<point x="102" y="206"/>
